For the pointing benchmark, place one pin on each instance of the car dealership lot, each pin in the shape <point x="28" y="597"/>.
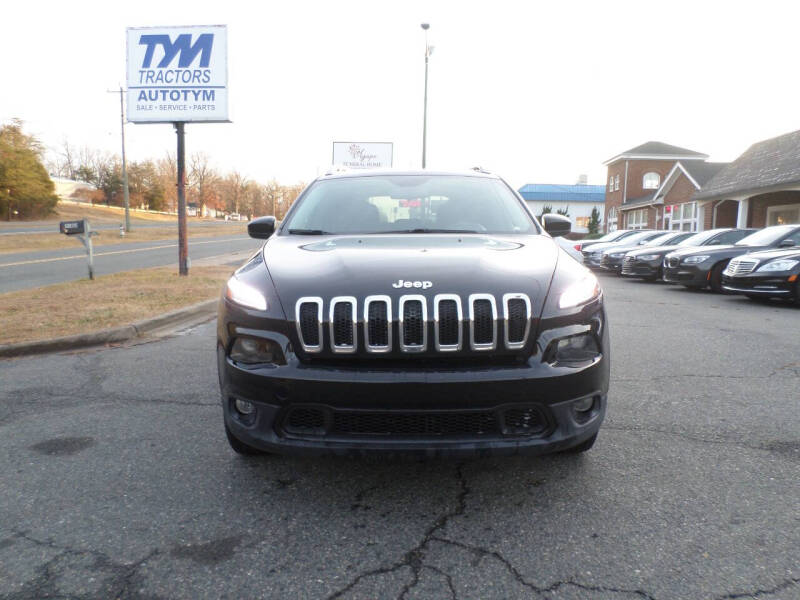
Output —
<point x="117" y="481"/>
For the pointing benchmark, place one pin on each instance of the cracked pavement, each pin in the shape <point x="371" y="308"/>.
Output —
<point x="116" y="481"/>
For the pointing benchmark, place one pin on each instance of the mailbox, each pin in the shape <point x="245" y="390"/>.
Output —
<point x="73" y="227"/>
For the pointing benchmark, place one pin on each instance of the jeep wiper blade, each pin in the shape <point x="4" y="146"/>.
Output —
<point x="426" y="230"/>
<point x="309" y="232"/>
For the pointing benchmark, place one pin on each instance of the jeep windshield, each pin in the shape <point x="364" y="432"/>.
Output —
<point x="374" y="204"/>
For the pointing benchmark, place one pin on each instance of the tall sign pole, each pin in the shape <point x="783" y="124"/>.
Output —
<point x="178" y="75"/>
<point x="183" y="248"/>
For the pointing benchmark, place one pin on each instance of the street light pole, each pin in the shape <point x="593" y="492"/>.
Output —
<point x="425" y="27"/>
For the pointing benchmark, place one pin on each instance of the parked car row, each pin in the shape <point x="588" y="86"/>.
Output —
<point x="758" y="263"/>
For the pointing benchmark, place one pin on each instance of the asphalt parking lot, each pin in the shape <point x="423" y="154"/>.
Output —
<point x="116" y="481"/>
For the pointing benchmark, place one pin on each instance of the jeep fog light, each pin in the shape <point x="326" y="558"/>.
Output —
<point x="574" y="349"/>
<point x="584" y="404"/>
<point x="252" y="351"/>
<point x="245" y="407"/>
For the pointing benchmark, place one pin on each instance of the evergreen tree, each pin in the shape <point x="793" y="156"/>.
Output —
<point x="594" y="221"/>
<point x="26" y="191"/>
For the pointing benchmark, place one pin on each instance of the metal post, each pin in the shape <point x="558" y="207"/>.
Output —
<point x="183" y="249"/>
<point x="124" y="165"/>
<point x="90" y="248"/>
<point x="86" y="240"/>
<point x="425" y="26"/>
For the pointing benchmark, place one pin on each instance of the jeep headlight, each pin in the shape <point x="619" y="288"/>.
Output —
<point x="246" y="295"/>
<point x="693" y="260"/>
<point x="647" y="257"/>
<point x="582" y="291"/>
<point x="782" y="264"/>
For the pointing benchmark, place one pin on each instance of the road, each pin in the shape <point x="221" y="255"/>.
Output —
<point x="37" y="227"/>
<point x="117" y="481"/>
<point x="34" y="269"/>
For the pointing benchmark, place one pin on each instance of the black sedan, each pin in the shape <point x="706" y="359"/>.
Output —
<point x="593" y="256"/>
<point x="613" y="258"/>
<point x="765" y="274"/>
<point x="612" y="236"/>
<point x="646" y="263"/>
<point x="702" y="267"/>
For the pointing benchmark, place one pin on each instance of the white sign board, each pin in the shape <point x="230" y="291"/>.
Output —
<point x="178" y="74"/>
<point x="362" y="155"/>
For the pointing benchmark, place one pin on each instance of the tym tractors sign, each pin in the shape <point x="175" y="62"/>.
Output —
<point x="177" y="74"/>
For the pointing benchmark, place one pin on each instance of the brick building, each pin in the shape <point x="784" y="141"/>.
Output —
<point x="758" y="189"/>
<point x="674" y="203"/>
<point x="637" y="194"/>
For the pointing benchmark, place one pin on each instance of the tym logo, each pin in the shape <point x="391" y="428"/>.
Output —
<point x="182" y="45"/>
<point x="415" y="284"/>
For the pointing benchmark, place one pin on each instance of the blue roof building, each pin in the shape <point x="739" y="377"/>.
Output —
<point x="578" y="200"/>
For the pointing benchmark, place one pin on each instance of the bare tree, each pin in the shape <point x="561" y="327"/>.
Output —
<point x="167" y="175"/>
<point x="233" y="186"/>
<point x="67" y="162"/>
<point x="203" y="179"/>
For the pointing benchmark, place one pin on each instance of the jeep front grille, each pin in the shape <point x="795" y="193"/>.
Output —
<point x="480" y="321"/>
<point x="447" y="319"/>
<point x="378" y="323"/>
<point x="318" y="421"/>
<point x="343" y="324"/>
<point x="309" y="322"/>
<point x="516" y="314"/>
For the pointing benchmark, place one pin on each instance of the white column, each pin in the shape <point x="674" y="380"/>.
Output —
<point x="741" y="217"/>
<point x="700" y="213"/>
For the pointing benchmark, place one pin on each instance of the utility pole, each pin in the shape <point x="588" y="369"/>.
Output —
<point x="125" y="193"/>
<point x="425" y="27"/>
<point x="183" y="249"/>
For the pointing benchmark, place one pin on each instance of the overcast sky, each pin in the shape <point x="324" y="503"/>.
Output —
<point x="536" y="91"/>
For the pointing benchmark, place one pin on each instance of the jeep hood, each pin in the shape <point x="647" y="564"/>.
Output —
<point x="360" y="266"/>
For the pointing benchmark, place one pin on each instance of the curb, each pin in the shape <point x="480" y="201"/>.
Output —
<point x="125" y="333"/>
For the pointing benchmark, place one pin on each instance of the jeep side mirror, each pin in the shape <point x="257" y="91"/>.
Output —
<point x="261" y="228"/>
<point x="788" y="243"/>
<point x="556" y="225"/>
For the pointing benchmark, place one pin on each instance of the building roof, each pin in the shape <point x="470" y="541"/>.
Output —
<point x="702" y="172"/>
<point x="765" y="164"/>
<point x="552" y="192"/>
<point x="640" y="201"/>
<point x="658" y="151"/>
